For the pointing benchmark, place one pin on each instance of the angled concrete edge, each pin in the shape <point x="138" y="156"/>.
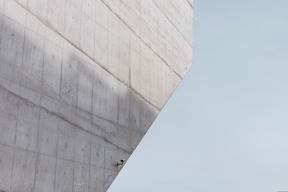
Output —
<point x="81" y="82"/>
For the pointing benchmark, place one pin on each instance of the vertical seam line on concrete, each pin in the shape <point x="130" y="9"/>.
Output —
<point x="36" y="151"/>
<point x="16" y="129"/>
<point x="56" y="155"/>
<point x="14" y="148"/>
<point x="74" y="161"/>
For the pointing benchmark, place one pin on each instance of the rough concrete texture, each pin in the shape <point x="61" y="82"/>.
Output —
<point x="81" y="81"/>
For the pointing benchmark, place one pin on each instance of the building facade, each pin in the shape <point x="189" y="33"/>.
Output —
<point x="81" y="82"/>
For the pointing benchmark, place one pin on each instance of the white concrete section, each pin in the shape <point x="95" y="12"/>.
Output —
<point x="101" y="13"/>
<point x="101" y="45"/>
<point x="113" y="53"/>
<point x="87" y="35"/>
<point x="22" y="2"/>
<point x="35" y="25"/>
<point x="124" y="62"/>
<point x="88" y="7"/>
<point x="56" y="14"/>
<point x="72" y="24"/>
<point x="135" y="70"/>
<point x="16" y="13"/>
<point x="38" y="7"/>
<point x="1" y="6"/>
<point x="81" y="82"/>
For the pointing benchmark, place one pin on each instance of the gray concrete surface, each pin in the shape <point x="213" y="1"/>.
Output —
<point x="81" y="82"/>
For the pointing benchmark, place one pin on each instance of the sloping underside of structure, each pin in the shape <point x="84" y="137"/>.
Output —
<point x="81" y="81"/>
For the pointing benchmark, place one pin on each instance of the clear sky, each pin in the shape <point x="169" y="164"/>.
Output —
<point x="225" y="129"/>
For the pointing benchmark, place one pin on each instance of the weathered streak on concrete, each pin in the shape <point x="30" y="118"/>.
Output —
<point x="81" y="82"/>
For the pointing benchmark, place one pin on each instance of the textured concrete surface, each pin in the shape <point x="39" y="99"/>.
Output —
<point x="81" y="81"/>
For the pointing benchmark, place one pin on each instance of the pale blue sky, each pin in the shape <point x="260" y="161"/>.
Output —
<point x="225" y="129"/>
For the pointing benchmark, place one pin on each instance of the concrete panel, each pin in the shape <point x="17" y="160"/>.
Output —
<point x="12" y="10"/>
<point x="56" y="14"/>
<point x="113" y="52"/>
<point x="135" y="107"/>
<point x="124" y="61"/>
<point x="135" y="70"/>
<point x="88" y="7"/>
<point x="32" y="60"/>
<point x="52" y="70"/>
<point x="85" y="87"/>
<point x="81" y="178"/>
<point x="8" y="114"/>
<point x="99" y="93"/>
<point x="97" y="152"/>
<point x="67" y="112"/>
<point x="75" y="3"/>
<point x="45" y="174"/>
<point x="1" y="6"/>
<point x="109" y="178"/>
<point x="38" y="7"/>
<point x="11" y="47"/>
<point x="29" y="95"/>
<point x="101" y="14"/>
<point x="82" y="146"/>
<point x="35" y="25"/>
<point x="101" y="45"/>
<point x="84" y="120"/>
<point x="27" y="126"/>
<point x="22" y="2"/>
<point x="87" y="35"/>
<point x="64" y="176"/>
<point x="72" y="24"/>
<point x="66" y="141"/>
<point x="111" y="158"/>
<point x="96" y="178"/>
<point x="6" y="154"/>
<point x="111" y="132"/>
<point x="124" y="105"/>
<point x="48" y="134"/>
<point x="98" y="126"/>
<point x="23" y="171"/>
<point x="128" y="139"/>
<point x="69" y="80"/>
<point x="112" y="96"/>
<point x="50" y="104"/>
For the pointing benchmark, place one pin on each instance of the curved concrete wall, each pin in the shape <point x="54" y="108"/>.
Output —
<point x="81" y="81"/>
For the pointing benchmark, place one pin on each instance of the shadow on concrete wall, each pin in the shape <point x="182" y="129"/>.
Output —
<point x="63" y="117"/>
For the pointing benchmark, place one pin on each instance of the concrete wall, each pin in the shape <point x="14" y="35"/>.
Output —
<point x="81" y="81"/>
